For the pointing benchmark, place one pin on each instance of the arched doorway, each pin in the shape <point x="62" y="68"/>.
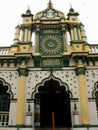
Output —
<point x="54" y="104"/>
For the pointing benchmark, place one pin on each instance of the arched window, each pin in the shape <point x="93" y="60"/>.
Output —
<point x="4" y="104"/>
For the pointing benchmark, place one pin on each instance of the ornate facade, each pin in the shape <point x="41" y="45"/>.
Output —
<point x="52" y="81"/>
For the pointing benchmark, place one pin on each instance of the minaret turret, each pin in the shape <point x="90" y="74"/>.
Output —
<point x="83" y="33"/>
<point x="17" y="35"/>
<point x="72" y="15"/>
<point x="74" y="25"/>
<point x="78" y="37"/>
<point x="27" y="17"/>
<point x="26" y="26"/>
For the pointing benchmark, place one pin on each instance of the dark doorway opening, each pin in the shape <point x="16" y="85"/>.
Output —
<point x="54" y="105"/>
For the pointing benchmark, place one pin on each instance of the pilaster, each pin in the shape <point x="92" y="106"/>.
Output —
<point x="72" y="33"/>
<point x="29" y="34"/>
<point x="20" y="119"/>
<point x="37" y="40"/>
<point x="22" y="34"/>
<point x="84" y="109"/>
<point x="64" y="38"/>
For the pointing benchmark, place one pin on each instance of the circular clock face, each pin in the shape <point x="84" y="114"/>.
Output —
<point x="50" y="45"/>
<point x="73" y="18"/>
<point x="27" y="19"/>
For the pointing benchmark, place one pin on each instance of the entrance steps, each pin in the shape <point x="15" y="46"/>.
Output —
<point x="53" y="129"/>
<point x="90" y="128"/>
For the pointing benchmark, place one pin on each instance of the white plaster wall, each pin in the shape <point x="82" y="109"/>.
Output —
<point x="35" y="77"/>
<point x="12" y="114"/>
<point x="91" y="78"/>
<point x="32" y="111"/>
<point x="93" y="113"/>
<point x="69" y="77"/>
<point x="95" y="128"/>
<point x="11" y="77"/>
<point x="75" y="118"/>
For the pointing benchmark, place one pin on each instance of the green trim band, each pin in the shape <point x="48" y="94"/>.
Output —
<point x="85" y="126"/>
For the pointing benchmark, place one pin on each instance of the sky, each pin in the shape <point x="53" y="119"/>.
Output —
<point x="11" y="10"/>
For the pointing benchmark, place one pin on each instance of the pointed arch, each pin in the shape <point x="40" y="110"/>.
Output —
<point x="47" y="79"/>
<point x="5" y="96"/>
<point x="8" y="87"/>
<point x="95" y="94"/>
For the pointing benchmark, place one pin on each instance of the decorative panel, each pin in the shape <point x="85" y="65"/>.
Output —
<point x="51" y="62"/>
<point x="51" y="42"/>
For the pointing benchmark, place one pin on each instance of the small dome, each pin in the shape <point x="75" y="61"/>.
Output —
<point x="72" y="12"/>
<point x="28" y="13"/>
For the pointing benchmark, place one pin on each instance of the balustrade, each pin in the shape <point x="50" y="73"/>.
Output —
<point x="4" y="118"/>
<point x="4" y="50"/>
<point x="94" y="48"/>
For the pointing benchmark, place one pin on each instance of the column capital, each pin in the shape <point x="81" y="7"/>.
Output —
<point x="23" y="71"/>
<point x="80" y="70"/>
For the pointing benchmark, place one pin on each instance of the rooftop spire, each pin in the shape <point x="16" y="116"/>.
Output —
<point x="70" y="6"/>
<point x="50" y="3"/>
<point x="72" y="12"/>
<point x="28" y="10"/>
<point x="71" y="9"/>
<point x="28" y="13"/>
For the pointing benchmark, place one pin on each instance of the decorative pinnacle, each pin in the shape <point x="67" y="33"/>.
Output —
<point x="28" y="7"/>
<point x="50" y="3"/>
<point x="71" y="9"/>
<point x="70" y="6"/>
<point x="28" y="11"/>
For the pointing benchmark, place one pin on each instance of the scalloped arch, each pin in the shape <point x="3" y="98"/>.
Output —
<point x="9" y="87"/>
<point x="47" y="79"/>
<point x="95" y="89"/>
